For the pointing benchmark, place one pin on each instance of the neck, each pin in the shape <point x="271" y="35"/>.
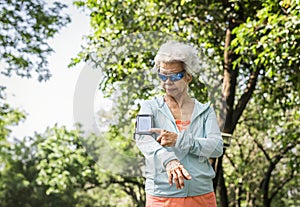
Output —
<point x="180" y="100"/>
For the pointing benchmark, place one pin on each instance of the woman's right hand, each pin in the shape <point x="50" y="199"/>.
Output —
<point x="178" y="173"/>
<point x="165" y="138"/>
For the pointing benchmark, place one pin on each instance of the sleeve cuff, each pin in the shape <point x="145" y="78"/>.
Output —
<point x="184" y="141"/>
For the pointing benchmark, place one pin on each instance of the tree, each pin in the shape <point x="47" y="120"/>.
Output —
<point x="267" y="138"/>
<point x="66" y="168"/>
<point x="53" y="169"/>
<point x="25" y="27"/>
<point x="248" y="42"/>
<point x="8" y="117"/>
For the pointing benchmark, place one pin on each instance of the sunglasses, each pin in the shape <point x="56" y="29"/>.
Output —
<point x="173" y="77"/>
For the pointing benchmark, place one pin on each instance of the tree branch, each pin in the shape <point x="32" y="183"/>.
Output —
<point x="130" y="191"/>
<point x="260" y="146"/>
<point x="282" y="152"/>
<point x="231" y="161"/>
<point x="282" y="184"/>
<point x="242" y="102"/>
<point x="266" y="180"/>
<point x="126" y="181"/>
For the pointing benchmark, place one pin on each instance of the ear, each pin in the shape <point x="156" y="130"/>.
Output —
<point x="188" y="78"/>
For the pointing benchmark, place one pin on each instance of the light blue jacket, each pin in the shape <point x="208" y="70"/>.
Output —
<point x="201" y="141"/>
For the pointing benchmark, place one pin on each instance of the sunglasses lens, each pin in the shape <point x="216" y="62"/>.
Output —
<point x="177" y="77"/>
<point x="162" y="77"/>
<point x="174" y="77"/>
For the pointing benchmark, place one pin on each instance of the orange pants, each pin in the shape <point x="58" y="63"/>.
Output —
<point x="206" y="200"/>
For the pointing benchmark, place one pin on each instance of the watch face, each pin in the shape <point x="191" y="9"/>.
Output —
<point x="144" y="124"/>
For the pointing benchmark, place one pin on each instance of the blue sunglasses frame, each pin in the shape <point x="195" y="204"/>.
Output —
<point x="173" y="77"/>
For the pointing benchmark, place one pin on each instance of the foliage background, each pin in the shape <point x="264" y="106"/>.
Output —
<point x="254" y="46"/>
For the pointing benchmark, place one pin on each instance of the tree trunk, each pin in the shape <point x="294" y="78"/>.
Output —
<point x="222" y="189"/>
<point x="231" y="112"/>
<point x="228" y="92"/>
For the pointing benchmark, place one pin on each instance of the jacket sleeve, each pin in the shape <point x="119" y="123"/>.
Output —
<point x="210" y="146"/>
<point x="149" y="147"/>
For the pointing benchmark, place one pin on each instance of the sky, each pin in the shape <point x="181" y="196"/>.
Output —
<point x="50" y="102"/>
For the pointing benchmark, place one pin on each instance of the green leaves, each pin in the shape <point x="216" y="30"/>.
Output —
<point x="24" y="28"/>
<point x="8" y="117"/>
<point x="270" y="38"/>
<point x="62" y="157"/>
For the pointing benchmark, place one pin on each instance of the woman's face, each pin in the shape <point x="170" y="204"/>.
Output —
<point x="174" y="88"/>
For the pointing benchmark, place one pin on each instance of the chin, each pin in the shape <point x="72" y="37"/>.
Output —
<point x="171" y="94"/>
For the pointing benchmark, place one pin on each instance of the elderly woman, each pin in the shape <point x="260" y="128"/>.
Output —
<point x="186" y="135"/>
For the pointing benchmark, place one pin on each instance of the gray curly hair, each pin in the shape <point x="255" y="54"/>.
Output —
<point x="173" y="51"/>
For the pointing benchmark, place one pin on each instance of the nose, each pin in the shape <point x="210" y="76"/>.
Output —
<point x="168" y="81"/>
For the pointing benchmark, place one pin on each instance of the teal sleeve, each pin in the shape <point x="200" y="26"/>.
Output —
<point x="149" y="147"/>
<point x="210" y="146"/>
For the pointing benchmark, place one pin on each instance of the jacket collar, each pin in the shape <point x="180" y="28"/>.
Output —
<point x="163" y="108"/>
<point x="160" y="101"/>
<point x="199" y="108"/>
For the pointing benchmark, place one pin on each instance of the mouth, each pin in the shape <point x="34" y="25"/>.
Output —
<point x="170" y="89"/>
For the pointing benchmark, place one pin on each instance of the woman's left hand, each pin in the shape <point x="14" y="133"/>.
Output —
<point x="165" y="138"/>
<point x="177" y="173"/>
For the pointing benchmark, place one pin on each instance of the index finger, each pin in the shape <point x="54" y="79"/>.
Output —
<point x="185" y="173"/>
